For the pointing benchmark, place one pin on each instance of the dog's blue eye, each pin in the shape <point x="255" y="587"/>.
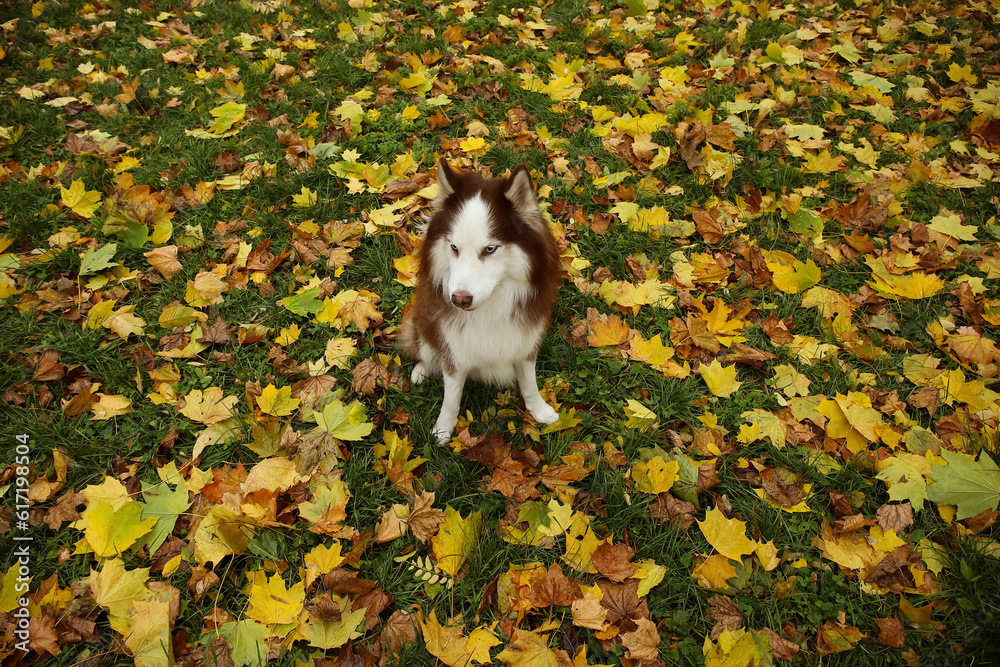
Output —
<point x="490" y="249"/>
<point x="454" y="247"/>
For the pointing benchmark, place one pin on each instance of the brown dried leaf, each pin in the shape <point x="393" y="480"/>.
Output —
<point x="424" y="519"/>
<point x="552" y="588"/>
<point x="368" y="374"/>
<point x="783" y="485"/>
<point x="48" y="367"/>
<point x="895" y="517"/>
<point x="644" y="643"/>
<point x="725" y="613"/>
<point x="890" y="632"/>
<point x="614" y="561"/>
<point x="893" y="571"/>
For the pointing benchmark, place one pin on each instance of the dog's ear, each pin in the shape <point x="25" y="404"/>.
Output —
<point x="446" y="183"/>
<point x="520" y="192"/>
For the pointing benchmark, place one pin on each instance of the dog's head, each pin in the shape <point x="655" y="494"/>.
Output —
<point x="483" y="234"/>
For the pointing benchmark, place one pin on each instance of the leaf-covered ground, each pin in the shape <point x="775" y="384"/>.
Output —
<point x="774" y="353"/>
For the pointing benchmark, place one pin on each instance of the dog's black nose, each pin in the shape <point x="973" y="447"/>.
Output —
<point x="462" y="300"/>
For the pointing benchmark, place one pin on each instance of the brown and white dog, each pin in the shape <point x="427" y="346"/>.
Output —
<point x="488" y="276"/>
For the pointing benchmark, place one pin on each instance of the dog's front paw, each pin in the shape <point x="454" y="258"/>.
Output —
<point x="419" y="373"/>
<point x="544" y="414"/>
<point x="442" y="429"/>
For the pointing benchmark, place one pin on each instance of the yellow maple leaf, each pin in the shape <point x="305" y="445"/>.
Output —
<point x="737" y="647"/>
<point x="728" y="536"/>
<point x="475" y="146"/>
<point x="581" y="542"/>
<point x="723" y="322"/>
<point x="655" y="475"/>
<point x="631" y="297"/>
<point x="208" y="406"/>
<point x="206" y="289"/>
<point x="271" y="603"/>
<point x="149" y="636"/>
<point x="824" y="163"/>
<point x="959" y="73"/>
<point x="109" y="531"/>
<point x="639" y="416"/>
<point x="721" y="380"/>
<point x="796" y="277"/>
<point x="81" y="201"/>
<point x="829" y="302"/>
<point x="849" y="551"/>
<point x="950" y="224"/>
<point x="649" y="575"/>
<point x="116" y="588"/>
<point x="272" y="474"/>
<point x="304" y="199"/>
<point x="528" y="649"/>
<point x="334" y="634"/>
<point x="455" y="539"/>
<point x="445" y="642"/>
<point x="713" y="572"/>
<point x="852" y="417"/>
<point x="324" y="558"/>
<point x="110" y="405"/>
<point x="226" y="116"/>
<point x="339" y="351"/>
<point x="221" y="533"/>
<point x="123" y="322"/>
<point x="478" y="646"/>
<point x="277" y="402"/>
<point x="917" y="285"/>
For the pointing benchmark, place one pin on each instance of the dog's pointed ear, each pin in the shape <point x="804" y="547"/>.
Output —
<point x="446" y="179"/>
<point x="520" y="192"/>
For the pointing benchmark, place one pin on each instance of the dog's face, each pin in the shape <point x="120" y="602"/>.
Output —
<point x="477" y="250"/>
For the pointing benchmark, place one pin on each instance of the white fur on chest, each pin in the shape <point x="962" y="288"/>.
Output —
<point x="488" y="341"/>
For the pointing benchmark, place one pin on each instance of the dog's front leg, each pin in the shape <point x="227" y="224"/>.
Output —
<point x="453" y="384"/>
<point x="526" y="381"/>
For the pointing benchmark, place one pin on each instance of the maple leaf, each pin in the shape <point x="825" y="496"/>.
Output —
<point x="721" y="380"/>
<point x="97" y="259"/>
<point x="834" y="637"/>
<point x="79" y="200"/>
<point x="905" y="480"/>
<point x="277" y="402"/>
<point x="165" y="506"/>
<point x="111" y="531"/>
<point x="455" y="539"/>
<point x="344" y="422"/>
<point x="326" y="634"/>
<point x="208" y="406"/>
<point x="445" y="642"/>
<point x="247" y="639"/>
<point x="973" y="486"/>
<point x="737" y="647"/>
<point x="221" y="533"/>
<point x="656" y="475"/>
<point x="327" y="507"/>
<point x="116" y="588"/>
<point x="149" y="636"/>
<point x="272" y="474"/>
<point x="639" y="416"/>
<point x="727" y="536"/>
<point x="271" y="602"/>
<point x="528" y="649"/>
<point x="644" y="643"/>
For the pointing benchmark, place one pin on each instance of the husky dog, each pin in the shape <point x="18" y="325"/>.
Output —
<point x="488" y="276"/>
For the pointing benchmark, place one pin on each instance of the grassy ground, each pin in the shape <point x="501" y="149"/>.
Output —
<point x="208" y="214"/>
